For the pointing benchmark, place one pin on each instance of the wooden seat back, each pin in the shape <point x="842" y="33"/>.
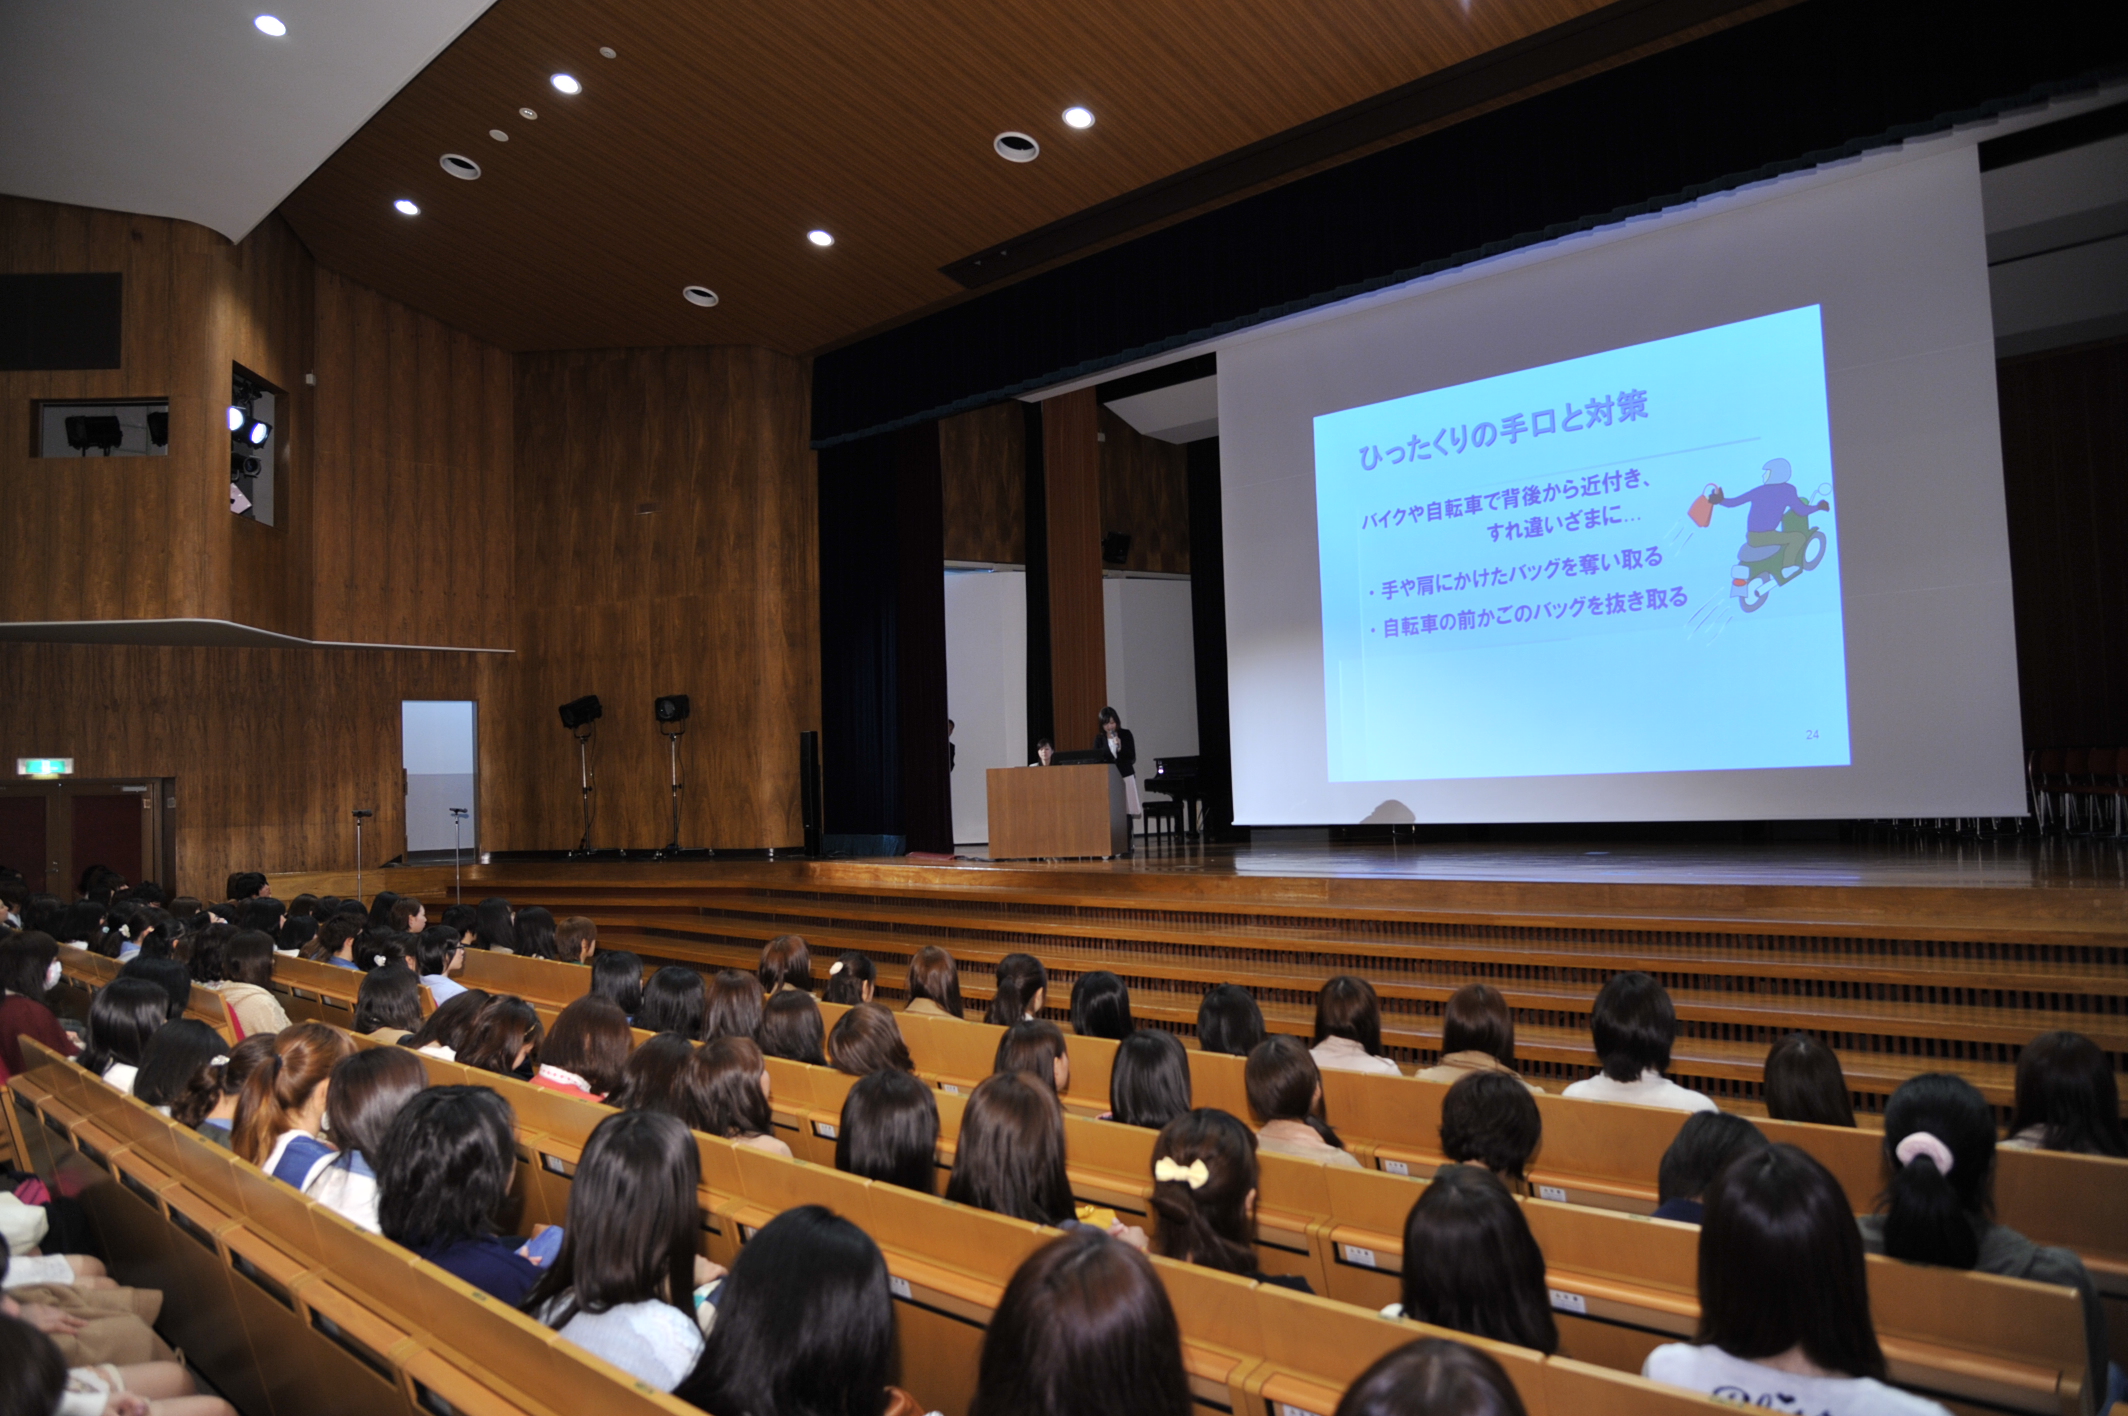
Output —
<point x="537" y="981"/>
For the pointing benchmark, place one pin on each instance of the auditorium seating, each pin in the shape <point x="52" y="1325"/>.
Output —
<point x="334" y="1319"/>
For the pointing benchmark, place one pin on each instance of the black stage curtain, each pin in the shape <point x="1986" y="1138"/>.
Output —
<point x="883" y="640"/>
<point x="1795" y="88"/>
<point x="1208" y="631"/>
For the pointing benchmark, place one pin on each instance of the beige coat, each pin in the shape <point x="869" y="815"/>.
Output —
<point x="257" y="1011"/>
<point x="1455" y="1066"/>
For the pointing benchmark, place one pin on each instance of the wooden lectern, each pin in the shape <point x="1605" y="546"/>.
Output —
<point x="1057" y="811"/>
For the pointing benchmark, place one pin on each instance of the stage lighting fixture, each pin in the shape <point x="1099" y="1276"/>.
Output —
<point x="101" y="432"/>
<point x="582" y="712"/>
<point x="256" y="432"/>
<point x="237" y="418"/>
<point x="159" y="428"/>
<point x="243" y="464"/>
<point x="672" y="708"/>
<point x="270" y="26"/>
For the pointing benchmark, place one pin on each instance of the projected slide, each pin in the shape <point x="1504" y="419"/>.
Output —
<point x="1625" y="562"/>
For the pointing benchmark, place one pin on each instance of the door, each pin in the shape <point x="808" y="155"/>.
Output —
<point x="53" y="831"/>
<point x="439" y="749"/>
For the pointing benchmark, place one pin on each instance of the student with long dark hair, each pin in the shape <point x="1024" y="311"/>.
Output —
<point x="438" y="953"/>
<point x="504" y="1037"/>
<point x="1100" y="1006"/>
<point x="722" y="1089"/>
<point x="621" y="1285"/>
<point x="1490" y="1119"/>
<point x="247" y="976"/>
<point x="1022" y="990"/>
<point x="587" y="1050"/>
<point x="1477" y="1035"/>
<point x="1010" y="1154"/>
<point x="388" y="1004"/>
<point x="866" y="1039"/>
<point x="889" y="1132"/>
<point x="29" y="969"/>
<point x="1286" y="1093"/>
<point x="1938" y="1204"/>
<point x="734" y="1008"/>
<point x="1804" y="1083"/>
<point x="123" y="1015"/>
<point x="368" y="1091"/>
<point x="852" y="979"/>
<point x="1036" y="1047"/>
<point x="646" y="1080"/>
<point x="1634" y="1024"/>
<point x="934" y="985"/>
<point x="791" y="1028"/>
<point x="1471" y="1263"/>
<point x="218" y="1124"/>
<point x="618" y="974"/>
<point x="165" y="973"/>
<point x="1204" y="1190"/>
<point x="1084" y="1326"/>
<point x="1348" y="1028"/>
<point x="786" y="962"/>
<point x="180" y="1072"/>
<point x="1433" y="1377"/>
<point x="2067" y="1099"/>
<point x="450" y="1025"/>
<point x="280" y="1116"/>
<point x="494" y="926"/>
<point x="1229" y="1021"/>
<point x="805" y="1325"/>
<point x="446" y="1167"/>
<point x="1706" y="1142"/>
<point x="532" y="933"/>
<point x="673" y="1001"/>
<point x="1784" y="1316"/>
<point x="1149" y="1082"/>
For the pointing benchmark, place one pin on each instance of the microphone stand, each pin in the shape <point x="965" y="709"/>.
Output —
<point x="458" y="820"/>
<point x="583" y="758"/>
<point x="361" y="815"/>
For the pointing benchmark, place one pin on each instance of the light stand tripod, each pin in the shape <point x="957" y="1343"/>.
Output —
<point x="672" y="744"/>
<point x="583" y="760"/>
<point x="458" y="821"/>
<point x="362" y="814"/>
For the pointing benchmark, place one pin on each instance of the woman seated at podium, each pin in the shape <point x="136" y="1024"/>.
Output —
<point x="1044" y="749"/>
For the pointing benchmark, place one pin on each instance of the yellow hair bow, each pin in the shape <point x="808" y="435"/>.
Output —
<point x="1195" y="1173"/>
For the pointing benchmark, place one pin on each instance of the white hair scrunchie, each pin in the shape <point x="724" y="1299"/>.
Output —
<point x="835" y="968"/>
<point x="221" y="1061"/>
<point x="1922" y="1143"/>
<point x="379" y="958"/>
<point x="1195" y="1174"/>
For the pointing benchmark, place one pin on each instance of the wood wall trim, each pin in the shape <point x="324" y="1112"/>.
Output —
<point x="1078" y="645"/>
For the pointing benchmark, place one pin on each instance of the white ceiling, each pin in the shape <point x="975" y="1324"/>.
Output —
<point x="182" y="108"/>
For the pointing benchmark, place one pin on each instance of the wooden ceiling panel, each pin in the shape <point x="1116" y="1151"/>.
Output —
<point x="723" y="132"/>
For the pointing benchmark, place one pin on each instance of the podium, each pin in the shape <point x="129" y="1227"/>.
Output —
<point x="1046" y="812"/>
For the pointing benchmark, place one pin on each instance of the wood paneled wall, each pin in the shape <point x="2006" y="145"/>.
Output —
<point x="711" y="591"/>
<point x="1078" y="647"/>
<point x="152" y="537"/>
<point x="983" y="476"/>
<point x="2065" y="480"/>
<point x="271" y="748"/>
<point x="1145" y="495"/>
<point x="409" y="485"/>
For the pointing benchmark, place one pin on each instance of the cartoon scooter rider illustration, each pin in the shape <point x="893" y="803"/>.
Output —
<point x="1770" y="501"/>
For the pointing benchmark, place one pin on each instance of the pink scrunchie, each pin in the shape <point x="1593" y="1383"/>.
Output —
<point x="1922" y="1143"/>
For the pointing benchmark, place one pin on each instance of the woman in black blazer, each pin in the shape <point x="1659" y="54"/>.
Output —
<point x="1114" y="741"/>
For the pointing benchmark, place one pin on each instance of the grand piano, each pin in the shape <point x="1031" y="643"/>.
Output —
<point x="1177" y="777"/>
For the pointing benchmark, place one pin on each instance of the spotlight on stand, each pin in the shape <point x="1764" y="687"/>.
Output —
<point x="100" y="431"/>
<point x="578" y="716"/>
<point x="672" y="712"/>
<point x="256" y="432"/>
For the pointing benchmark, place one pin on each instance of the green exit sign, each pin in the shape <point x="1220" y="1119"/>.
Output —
<point x="44" y="766"/>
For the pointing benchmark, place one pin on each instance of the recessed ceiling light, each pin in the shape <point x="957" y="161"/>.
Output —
<point x="1016" y="147"/>
<point x="459" y="166"/>
<point x="406" y="208"/>
<point x="529" y="115"/>
<point x="566" y="83"/>
<point x="820" y="238"/>
<point x="606" y="52"/>
<point x="699" y="295"/>
<point x="269" y="26"/>
<point x="1078" y="117"/>
<point x="499" y="135"/>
